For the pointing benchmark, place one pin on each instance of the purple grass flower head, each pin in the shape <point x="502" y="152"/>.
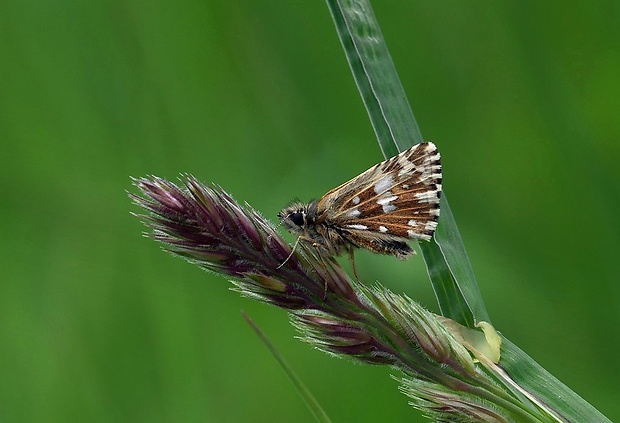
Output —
<point x="334" y="313"/>
<point x="207" y="227"/>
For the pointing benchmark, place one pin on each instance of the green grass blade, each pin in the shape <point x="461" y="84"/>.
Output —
<point x="375" y="76"/>
<point x="449" y="268"/>
<point x="306" y="395"/>
<point x="542" y="384"/>
<point x="397" y="130"/>
<point x="455" y="263"/>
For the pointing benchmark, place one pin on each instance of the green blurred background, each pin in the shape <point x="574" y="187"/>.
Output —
<point x="97" y="324"/>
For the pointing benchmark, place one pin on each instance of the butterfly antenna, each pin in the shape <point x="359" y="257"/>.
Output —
<point x="292" y="251"/>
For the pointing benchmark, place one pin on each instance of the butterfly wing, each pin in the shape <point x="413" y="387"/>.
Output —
<point x="395" y="199"/>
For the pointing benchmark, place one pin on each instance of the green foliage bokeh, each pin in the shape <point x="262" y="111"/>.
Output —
<point x="97" y="324"/>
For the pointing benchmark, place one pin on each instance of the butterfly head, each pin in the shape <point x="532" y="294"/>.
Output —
<point x="298" y="217"/>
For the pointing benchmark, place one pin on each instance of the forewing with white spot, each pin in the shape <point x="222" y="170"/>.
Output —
<point x="397" y="198"/>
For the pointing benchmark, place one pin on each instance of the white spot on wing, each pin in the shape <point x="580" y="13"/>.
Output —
<point x="413" y="234"/>
<point x="430" y="226"/>
<point x="427" y="197"/>
<point x="356" y="199"/>
<point x="353" y="213"/>
<point x="412" y="223"/>
<point x="384" y="184"/>
<point x="386" y="200"/>
<point x="357" y="226"/>
<point x="388" y="208"/>
<point x="383" y="229"/>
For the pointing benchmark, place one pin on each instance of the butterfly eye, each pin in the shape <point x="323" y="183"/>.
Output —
<point x="297" y="218"/>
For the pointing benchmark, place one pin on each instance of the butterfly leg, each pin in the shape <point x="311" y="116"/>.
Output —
<point x="352" y="259"/>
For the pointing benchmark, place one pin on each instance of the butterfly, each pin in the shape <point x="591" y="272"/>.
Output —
<point x="391" y="203"/>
